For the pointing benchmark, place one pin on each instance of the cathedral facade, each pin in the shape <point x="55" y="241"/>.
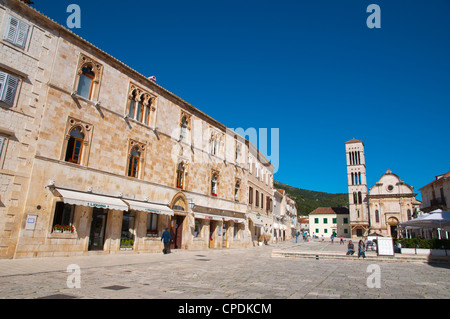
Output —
<point x="380" y="210"/>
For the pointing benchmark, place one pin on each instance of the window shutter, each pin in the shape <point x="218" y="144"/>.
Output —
<point x="17" y="32"/>
<point x="22" y="35"/>
<point x="2" y="82"/>
<point x="11" y="30"/>
<point x="9" y="91"/>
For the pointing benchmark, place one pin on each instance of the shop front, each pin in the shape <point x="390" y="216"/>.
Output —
<point x="143" y="224"/>
<point x="109" y="224"/>
<point x="217" y="228"/>
<point x="261" y="228"/>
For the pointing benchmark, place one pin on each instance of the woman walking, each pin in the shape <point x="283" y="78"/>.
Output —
<point x="361" y="249"/>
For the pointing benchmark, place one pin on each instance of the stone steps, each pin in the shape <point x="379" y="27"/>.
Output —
<point x="324" y="255"/>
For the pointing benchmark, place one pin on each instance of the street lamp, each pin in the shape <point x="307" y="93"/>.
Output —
<point x="191" y="203"/>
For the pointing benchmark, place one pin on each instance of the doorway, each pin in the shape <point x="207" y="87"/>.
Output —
<point x="212" y="228"/>
<point x="394" y="232"/>
<point x="176" y="231"/>
<point x="225" y="240"/>
<point x="98" y="228"/>
<point x="128" y="231"/>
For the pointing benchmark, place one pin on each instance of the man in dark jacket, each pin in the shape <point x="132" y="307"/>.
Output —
<point x="166" y="238"/>
<point x="351" y="248"/>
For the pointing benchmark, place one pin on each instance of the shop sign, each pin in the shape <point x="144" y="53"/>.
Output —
<point x="149" y="210"/>
<point x="97" y="205"/>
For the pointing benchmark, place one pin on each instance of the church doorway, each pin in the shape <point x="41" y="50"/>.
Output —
<point x="394" y="233"/>
<point x="393" y="224"/>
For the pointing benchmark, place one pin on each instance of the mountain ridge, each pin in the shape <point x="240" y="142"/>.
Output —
<point x="308" y="200"/>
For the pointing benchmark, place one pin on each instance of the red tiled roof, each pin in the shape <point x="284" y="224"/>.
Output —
<point x="329" y="210"/>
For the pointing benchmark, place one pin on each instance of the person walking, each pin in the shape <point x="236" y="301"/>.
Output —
<point x="361" y="249"/>
<point x="351" y="248"/>
<point x="332" y="238"/>
<point x="342" y="241"/>
<point x="166" y="238"/>
<point x="296" y="236"/>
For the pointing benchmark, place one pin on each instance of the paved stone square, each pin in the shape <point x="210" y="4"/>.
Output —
<point x="225" y="273"/>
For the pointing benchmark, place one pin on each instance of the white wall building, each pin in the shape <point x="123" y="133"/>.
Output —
<point x="327" y="221"/>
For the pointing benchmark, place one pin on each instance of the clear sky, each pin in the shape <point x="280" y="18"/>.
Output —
<point x="311" y="68"/>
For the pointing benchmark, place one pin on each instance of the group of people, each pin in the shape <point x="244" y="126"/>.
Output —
<point x="361" y="248"/>
<point x="304" y="234"/>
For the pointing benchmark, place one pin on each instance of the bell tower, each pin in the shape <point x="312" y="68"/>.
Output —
<point x="357" y="188"/>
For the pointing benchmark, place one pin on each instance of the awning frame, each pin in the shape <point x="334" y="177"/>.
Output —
<point x="74" y="197"/>
<point x="148" y="207"/>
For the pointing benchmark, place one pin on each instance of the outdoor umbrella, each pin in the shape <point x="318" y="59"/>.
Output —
<point x="409" y="223"/>
<point x="436" y="219"/>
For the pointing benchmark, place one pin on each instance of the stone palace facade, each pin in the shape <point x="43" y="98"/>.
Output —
<point x="97" y="158"/>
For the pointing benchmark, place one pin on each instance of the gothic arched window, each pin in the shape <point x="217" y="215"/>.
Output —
<point x="133" y="162"/>
<point x="214" y="179"/>
<point x="237" y="186"/>
<point x="86" y="82"/>
<point x="75" y="145"/>
<point x="140" y="105"/>
<point x="180" y="176"/>
<point x="184" y="128"/>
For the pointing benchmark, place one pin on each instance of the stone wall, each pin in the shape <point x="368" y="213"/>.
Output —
<point x="48" y="110"/>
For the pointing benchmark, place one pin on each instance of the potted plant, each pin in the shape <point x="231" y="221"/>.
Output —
<point x="57" y="228"/>
<point x="63" y="228"/>
<point x="126" y="244"/>
<point x="68" y="228"/>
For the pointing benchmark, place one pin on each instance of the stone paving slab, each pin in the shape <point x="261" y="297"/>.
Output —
<point x="222" y="273"/>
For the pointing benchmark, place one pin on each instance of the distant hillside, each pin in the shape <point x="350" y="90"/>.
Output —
<point x="307" y="200"/>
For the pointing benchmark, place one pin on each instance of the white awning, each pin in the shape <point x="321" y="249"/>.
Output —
<point x="207" y="216"/>
<point x="276" y="226"/>
<point x="256" y="222"/>
<point x="234" y="219"/>
<point x="149" y="208"/>
<point x="91" y="200"/>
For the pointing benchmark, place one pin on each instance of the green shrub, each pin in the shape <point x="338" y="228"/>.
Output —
<point x="423" y="243"/>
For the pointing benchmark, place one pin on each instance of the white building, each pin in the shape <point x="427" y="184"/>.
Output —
<point x="327" y="221"/>
<point x="285" y="223"/>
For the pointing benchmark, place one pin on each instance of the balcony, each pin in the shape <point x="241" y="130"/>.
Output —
<point x="438" y="201"/>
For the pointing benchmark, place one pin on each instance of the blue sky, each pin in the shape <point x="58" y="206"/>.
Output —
<point x="311" y="68"/>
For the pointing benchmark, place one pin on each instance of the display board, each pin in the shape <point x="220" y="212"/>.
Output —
<point x="385" y="246"/>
